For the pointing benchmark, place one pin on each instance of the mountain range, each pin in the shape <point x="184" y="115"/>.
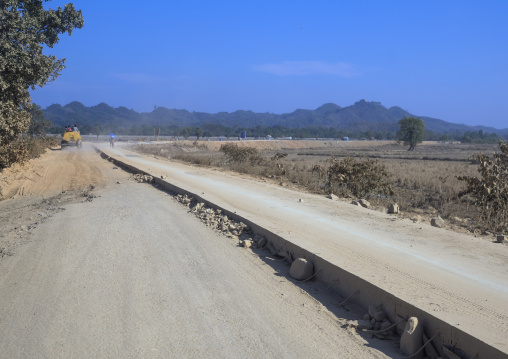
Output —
<point x="361" y="116"/>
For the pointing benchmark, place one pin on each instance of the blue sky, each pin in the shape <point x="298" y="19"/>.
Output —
<point x="443" y="59"/>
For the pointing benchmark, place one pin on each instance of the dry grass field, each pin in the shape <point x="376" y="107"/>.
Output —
<point x="424" y="182"/>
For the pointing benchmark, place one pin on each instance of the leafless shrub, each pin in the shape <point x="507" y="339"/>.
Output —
<point x="490" y="192"/>
<point x="235" y="154"/>
<point x="358" y="178"/>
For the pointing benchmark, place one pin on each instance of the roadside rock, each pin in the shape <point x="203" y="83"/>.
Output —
<point x="500" y="238"/>
<point x="412" y="338"/>
<point x="301" y="269"/>
<point x="246" y="243"/>
<point x="417" y="219"/>
<point x="364" y="203"/>
<point x="355" y="203"/>
<point x="372" y="311"/>
<point x="437" y="222"/>
<point x="332" y="197"/>
<point x="393" y="208"/>
<point x="143" y="178"/>
<point x="379" y="316"/>
<point x="364" y="325"/>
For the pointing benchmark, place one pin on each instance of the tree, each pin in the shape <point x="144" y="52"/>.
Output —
<point x="411" y="131"/>
<point x="490" y="191"/>
<point x="185" y="132"/>
<point x="38" y="124"/>
<point x="198" y="133"/>
<point x="25" y="28"/>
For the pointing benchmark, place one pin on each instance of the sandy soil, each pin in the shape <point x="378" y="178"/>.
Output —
<point x="98" y="265"/>
<point x="459" y="278"/>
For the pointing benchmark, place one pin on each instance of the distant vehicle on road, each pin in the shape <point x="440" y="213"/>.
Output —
<point x="71" y="137"/>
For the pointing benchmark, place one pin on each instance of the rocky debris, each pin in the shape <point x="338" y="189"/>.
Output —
<point x="332" y="197"/>
<point x="364" y="325"/>
<point x="184" y="199"/>
<point x="140" y="178"/>
<point x="417" y="219"/>
<point x="379" y="316"/>
<point x="437" y="222"/>
<point x="300" y="200"/>
<point x="216" y="219"/>
<point x="364" y="203"/>
<point x="393" y="208"/>
<point x="4" y="252"/>
<point x="355" y="203"/>
<point x="500" y="238"/>
<point x="412" y="338"/>
<point x="377" y="321"/>
<point x="163" y="176"/>
<point x="301" y="269"/>
<point x="246" y="243"/>
<point x="372" y="311"/>
<point x="260" y="241"/>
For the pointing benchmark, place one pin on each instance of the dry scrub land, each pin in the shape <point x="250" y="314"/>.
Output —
<point x="424" y="182"/>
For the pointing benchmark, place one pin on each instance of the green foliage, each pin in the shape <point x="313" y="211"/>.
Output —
<point x="411" y="131"/>
<point x="198" y="132"/>
<point x="360" y="178"/>
<point x="490" y="191"/>
<point x="24" y="149"/>
<point x="25" y="29"/>
<point x="38" y="124"/>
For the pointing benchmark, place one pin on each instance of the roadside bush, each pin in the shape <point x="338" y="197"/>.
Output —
<point x="359" y="178"/>
<point x="24" y="149"/>
<point x="235" y="154"/>
<point x="490" y="192"/>
<point x="13" y="152"/>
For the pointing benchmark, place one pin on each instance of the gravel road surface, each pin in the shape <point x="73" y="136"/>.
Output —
<point x="101" y="269"/>
<point x="459" y="278"/>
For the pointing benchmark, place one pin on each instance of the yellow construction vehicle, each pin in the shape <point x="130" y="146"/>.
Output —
<point x="71" y="138"/>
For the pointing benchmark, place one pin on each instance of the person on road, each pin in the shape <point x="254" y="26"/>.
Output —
<point x="112" y="140"/>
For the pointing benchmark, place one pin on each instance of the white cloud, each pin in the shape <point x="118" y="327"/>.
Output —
<point x="301" y="68"/>
<point x="137" y="78"/>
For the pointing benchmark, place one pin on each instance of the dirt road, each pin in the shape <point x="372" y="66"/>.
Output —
<point x="458" y="278"/>
<point x="100" y="266"/>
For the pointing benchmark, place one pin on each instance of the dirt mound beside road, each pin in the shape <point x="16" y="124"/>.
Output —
<point x="54" y="172"/>
<point x="31" y="193"/>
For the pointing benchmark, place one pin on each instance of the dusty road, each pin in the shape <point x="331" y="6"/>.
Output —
<point x="459" y="278"/>
<point x="100" y="269"/>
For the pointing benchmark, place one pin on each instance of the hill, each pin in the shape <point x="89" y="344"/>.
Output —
<point x="361" y="116"/>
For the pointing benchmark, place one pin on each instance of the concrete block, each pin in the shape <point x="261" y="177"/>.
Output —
<point x="437" y="222"/>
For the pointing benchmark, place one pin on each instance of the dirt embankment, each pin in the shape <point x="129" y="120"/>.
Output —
<point x="32" y="193"/>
